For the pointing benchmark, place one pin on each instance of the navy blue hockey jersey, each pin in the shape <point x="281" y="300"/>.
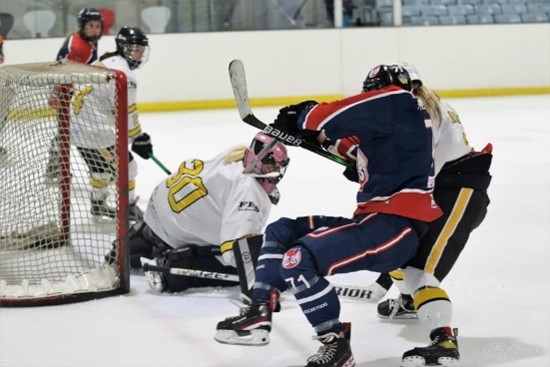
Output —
<point x="395" y="152"/>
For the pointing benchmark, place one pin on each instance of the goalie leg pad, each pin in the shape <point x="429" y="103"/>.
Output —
<point x="247" y="251"/>
<point x="143" y="242"/>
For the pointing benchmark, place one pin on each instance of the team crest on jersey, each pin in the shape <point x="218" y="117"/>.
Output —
<point x="245" y="206"/>
<point x="292" y="258"/>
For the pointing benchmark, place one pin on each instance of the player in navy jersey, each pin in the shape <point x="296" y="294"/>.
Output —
<point x="462" y="180"/>
<point x="80" y="47"/>
<point x="394" y="203"/>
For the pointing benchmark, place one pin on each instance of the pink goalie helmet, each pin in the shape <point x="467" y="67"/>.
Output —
<point x="267" y="164"/>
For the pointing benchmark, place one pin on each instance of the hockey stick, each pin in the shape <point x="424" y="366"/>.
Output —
<point x="155" y="159"/>
<point x="191" y="272"/>
<point x="240" y="90"/>
<point x="348" y="292"/>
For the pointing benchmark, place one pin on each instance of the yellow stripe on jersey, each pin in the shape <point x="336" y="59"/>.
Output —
<point x="226" y="246"/>
<point x="397" y="274"/>
<point x="106" y="153"/>
<point x="99" y="183"/>
<point x="135" y="131"/>
<point x="132" y="185"/>
<point x="429" y="294"/>
<point x="448" y="229"/>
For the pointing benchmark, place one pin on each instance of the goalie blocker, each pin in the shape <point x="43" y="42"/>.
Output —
<point x="144" y="243"/>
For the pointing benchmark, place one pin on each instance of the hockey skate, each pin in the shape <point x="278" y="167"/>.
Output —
<point x="401" y="308"/>
<point x="101" y="211"/>
<point x="335" y="351"/>
<point x="251" y="326"/>
<point x="443" y="351"/>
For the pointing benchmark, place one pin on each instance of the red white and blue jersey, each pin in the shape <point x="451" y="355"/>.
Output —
<point x="78" y="50"/>
<point x="395" y="150"/>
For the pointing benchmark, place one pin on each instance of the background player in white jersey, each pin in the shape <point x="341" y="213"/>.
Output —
<point x="462" y="179"/>
<point x="96" y="143"/>
<point x="198" y="214"/>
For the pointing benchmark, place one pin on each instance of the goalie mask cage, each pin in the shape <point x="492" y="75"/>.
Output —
<point x="52" y="250"/>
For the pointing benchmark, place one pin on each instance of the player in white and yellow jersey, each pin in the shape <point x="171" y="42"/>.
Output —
<point x="96" y="142"/>
<point x="204" y="208"/>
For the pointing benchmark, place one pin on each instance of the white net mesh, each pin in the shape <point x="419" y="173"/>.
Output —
<point x="59" y="150"/>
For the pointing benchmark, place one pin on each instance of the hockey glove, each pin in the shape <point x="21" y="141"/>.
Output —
<point x="142" y="146"/>
<point x="287" y="119"/>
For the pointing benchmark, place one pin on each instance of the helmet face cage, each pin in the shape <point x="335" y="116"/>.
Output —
<point x="272" y="167"/>
<point x="86" y="15"/>
<point x="133" y="46"/>
<point x="382" y="76"/>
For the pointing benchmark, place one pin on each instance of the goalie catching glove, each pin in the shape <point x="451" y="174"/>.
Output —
<point x="142" y="146"/>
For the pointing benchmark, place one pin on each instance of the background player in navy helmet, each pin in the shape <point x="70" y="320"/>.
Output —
<point x="394" y="202"/>
<point x="80" y="47"/>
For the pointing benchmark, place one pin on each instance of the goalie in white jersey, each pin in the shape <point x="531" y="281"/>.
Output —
<point x="96" y="142"/>
<point x="196" y="216"/>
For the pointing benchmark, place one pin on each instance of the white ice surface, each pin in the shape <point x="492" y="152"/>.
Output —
<point x="500" y="286"/>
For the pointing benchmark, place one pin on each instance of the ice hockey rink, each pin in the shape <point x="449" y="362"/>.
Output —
<point x="500" y="287"/>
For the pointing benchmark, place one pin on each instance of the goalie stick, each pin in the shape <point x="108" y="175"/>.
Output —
<point x="190" y="272"/>
<point x="347" y="292"/>
<point x="237" y="76"/>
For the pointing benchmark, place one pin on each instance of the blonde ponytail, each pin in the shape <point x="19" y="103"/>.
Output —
<point x="430" y="101"/>
<point x="236" y="154"/>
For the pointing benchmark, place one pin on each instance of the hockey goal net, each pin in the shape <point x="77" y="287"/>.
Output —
<point x="52" y="250"/>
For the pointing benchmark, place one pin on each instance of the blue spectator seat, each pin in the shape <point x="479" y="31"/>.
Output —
<point x="384" y="4"/>
<point x="410" y="10"/>
<point x="534" y="18"/>
<point x="463" y="9"/>
<point x="507" y="18"/>
<point x="452" y="19"/>
<point x="484" y="9"/>
<point x="443" y="2"/>
<point x="424" y="20"/>
<point x="472" y="2"/>
<point x="386" y="19"/>
<point x="513" y="9"/>
<point x="480" y="19"/>
<point x="428" y="10"/>
<point x="538" y="8"/>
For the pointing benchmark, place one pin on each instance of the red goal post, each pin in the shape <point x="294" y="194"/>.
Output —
<point x="52" y="249"/>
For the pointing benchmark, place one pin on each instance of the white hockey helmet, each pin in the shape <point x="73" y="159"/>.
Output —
<point x="413" y="72"/>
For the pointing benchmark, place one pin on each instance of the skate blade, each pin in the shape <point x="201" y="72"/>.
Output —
<point x="410" y="316"/>
<point x="253" y="337"/>
<point x="418" y="361"/>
